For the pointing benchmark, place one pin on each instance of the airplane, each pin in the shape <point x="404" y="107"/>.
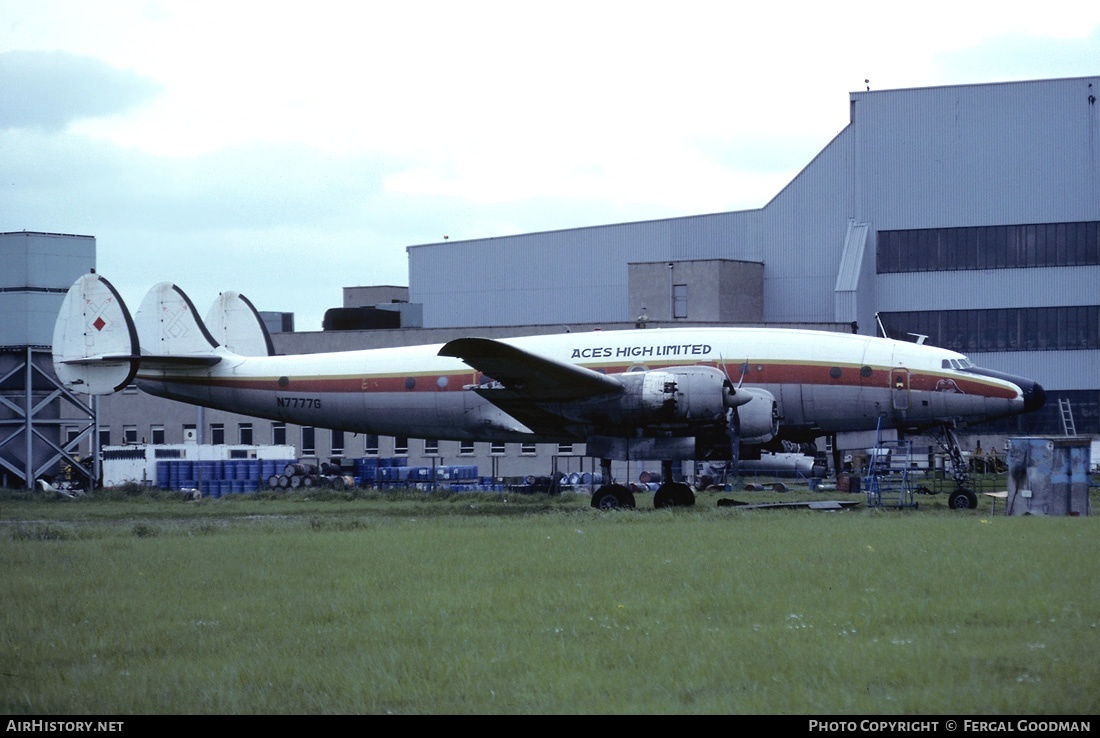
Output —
<point x="667" y="393"/>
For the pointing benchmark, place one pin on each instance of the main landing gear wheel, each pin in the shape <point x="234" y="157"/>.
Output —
<point x="962" y="499"/>
<point x="613" y="497"/>
<point x="673" y="494"/>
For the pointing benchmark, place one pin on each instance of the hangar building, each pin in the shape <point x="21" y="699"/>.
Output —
<point x="966" y="214"/>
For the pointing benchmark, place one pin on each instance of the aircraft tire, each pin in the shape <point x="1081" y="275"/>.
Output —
<point x="673" y="494"/>
<point x="613" y="497"/>
<point x="962" y="499"/>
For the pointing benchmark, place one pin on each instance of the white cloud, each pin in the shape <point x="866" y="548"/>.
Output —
<point x="322" y="138"/>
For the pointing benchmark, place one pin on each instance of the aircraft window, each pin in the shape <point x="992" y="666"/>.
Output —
<point x="834" y="372"/>
<point x="946" y="364"/>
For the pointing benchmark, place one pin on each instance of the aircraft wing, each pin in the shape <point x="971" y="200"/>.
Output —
<point x="526" y="385"/>
<point x="528" y="375"/>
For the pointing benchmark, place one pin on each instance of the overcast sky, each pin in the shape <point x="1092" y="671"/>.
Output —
<point x="289" y="149"/>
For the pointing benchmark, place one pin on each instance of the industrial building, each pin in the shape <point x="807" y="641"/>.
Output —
<point x="964" y="216"/>
<point x="41" y="423"/>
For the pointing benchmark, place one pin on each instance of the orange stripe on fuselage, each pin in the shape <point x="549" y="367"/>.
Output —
<point x="759" y="373"/>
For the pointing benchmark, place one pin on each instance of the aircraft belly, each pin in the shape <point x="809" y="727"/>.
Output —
<point x="419" y="415"/>
<point x="789" y="397"/>
<point x="196" y="394"/>
<point x="384" y="413"/>
<point x="837" y="407"/>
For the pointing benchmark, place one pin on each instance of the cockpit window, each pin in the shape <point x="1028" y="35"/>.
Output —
<point x="961" y="364"/>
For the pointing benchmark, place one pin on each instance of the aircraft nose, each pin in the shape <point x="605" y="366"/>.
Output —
<point x="1034" y="396"/>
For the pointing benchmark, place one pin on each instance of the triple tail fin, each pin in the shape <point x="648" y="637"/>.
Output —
<point x="236" y="324"/>
<point x="169" y="327"/>
<point x="98" y="348"/>
<point x="95" y="343"/>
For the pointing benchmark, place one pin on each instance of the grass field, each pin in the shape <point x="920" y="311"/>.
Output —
<point x="410" y="603"/>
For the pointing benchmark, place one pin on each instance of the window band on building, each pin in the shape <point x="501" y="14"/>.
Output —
<point x="1064" y="328"/>
<point x="989" y="247"/>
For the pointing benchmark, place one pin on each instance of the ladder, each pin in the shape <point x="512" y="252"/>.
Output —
<point x="1067" y="417"/>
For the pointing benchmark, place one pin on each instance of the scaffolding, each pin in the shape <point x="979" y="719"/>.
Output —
<point x="33" y="414"/>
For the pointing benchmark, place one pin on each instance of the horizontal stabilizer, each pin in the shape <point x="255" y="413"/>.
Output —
<point x="149" y="362"/>
<point x="95" y="343"/>
<point x="179" y="362"/>
<point x="236" y="325"/>
<point x="168" y="325"/>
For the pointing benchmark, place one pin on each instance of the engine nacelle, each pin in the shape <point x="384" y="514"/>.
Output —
<point x="675" y="396"/>
<point x="758" y="416"/>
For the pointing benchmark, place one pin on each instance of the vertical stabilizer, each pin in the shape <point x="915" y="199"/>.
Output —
<point x="168" y="324"/>
<point x="235" y="323"/>
<point x="95" y="344"/>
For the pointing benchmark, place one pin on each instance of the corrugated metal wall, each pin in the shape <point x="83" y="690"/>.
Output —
<point x="969" y="155"/>
<point x="570" y="276"/>
<point x="1026" y="152"/>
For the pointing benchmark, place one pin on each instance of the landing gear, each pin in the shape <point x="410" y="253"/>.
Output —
<point x="673" y="494"/>
<point x="613" y="497"/>
<point x="962" y="498"/>
<point x="670" y="493"/>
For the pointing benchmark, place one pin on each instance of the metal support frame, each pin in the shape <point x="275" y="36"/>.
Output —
<point x="27" y="421"/>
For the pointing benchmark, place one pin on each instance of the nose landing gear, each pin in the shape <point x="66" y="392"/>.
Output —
<point x="962" y="498"/>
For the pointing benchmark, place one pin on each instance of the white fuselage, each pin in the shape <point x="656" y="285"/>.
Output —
<point x="822" y="382"/>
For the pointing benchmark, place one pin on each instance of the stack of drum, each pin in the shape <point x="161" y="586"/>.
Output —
<point x="295" y="475"/>
<point x="214" y="478"/>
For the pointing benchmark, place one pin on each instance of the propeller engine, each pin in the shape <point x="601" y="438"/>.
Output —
<point x="702" y="396"/>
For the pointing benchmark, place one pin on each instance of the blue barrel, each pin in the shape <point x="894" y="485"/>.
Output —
<point x="163" y="474"/>
<point x="268" y="468"/>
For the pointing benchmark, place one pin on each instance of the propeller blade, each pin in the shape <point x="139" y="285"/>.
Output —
<point x="733" y="429"/>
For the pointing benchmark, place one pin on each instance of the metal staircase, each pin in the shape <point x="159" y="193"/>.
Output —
<point x="887" y="480"/>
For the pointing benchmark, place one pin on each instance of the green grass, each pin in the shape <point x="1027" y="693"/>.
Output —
<point x="407" y="603"/>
